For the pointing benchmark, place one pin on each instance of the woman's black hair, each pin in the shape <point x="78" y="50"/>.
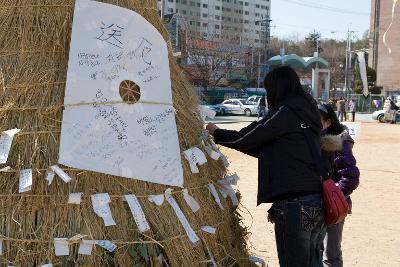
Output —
<point x="283" y="83"/>
<point x="328" y="113"/>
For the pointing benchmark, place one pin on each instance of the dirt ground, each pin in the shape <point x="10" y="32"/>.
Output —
<point x="371" y="233"/>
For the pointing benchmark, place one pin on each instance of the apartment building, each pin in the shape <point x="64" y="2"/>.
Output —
<point x="384" y="54"/>
<point x="242" y="22"/>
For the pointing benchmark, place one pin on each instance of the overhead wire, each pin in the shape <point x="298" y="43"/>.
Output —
<point x="325" y="7"/>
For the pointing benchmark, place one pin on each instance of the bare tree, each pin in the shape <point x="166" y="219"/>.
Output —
<point x="208" y="62"/>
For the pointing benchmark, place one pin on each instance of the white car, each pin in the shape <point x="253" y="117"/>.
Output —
<point x="235" y="106"/>
<point x="379" y="115"/>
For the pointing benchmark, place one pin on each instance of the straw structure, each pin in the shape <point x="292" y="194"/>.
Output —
<point x="34" y="45"/>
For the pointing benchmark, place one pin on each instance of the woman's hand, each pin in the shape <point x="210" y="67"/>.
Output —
<point x="211" y="127"/>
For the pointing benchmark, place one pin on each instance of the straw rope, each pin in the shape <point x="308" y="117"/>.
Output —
<point x="34" y="50"/>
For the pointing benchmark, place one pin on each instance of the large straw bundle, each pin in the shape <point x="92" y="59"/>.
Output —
<point x="34" y="45"/>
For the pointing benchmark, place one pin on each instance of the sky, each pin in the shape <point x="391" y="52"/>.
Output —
<point x="293" y="20"/>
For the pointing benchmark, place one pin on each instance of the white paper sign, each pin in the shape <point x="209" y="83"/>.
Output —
<point x="1" y="247"/>
<point x="61" y="247"/>
<point x="354" y="129"/>
<point x="110" y="45"/>
<point x="6" y="139"/>
<point x="195" y="156"/>
<point x="25" y="180"/>
<point x="75" y="198"/>
<point x="214" y="193"/>
<point x="156" y="199"/>
<point x="181" y="217"/>
<point x="86" y="247"/>
<point x="47" y="265"/>
<point x="63" y="175"/>
<point x="108" y="245"/>
<point x="192" y="203"/>
<point x="137" y="213"/>
<point x="101" y="207"/>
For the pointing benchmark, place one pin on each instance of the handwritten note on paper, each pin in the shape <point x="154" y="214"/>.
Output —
<point x="137" y="213"/>
<point x="6" y="139"/>
<point x="86" y="247"/>
<point x="63" y="175"/>
<point x="195" y="157"/>
<point x="111" y="45"/>
<point x="25" y="180"/>
<point x="107" y="245"/>
<point x="75" y="198"/>
<point x="101" y="207"/>
<point x="214" y="193"/>
<point x="192" y="203"/>
<point x="156" y="199"/>
<point x="61" y="247"/>
<point x="181" y="217"/>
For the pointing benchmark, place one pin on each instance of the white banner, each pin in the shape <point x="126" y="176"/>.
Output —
<point x="363" y="71"/>
<point x="109" y="46"/>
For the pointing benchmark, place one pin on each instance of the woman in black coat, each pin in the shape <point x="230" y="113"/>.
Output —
<point x="287" y="175"/>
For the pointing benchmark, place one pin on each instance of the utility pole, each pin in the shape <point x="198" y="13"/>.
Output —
<point x="258" y="75"/>
<point x="267" y="39"/>
<point x="347" y="82"/>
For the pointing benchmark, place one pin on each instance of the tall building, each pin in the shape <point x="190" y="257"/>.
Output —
<point x="238" y="22"/>
<point x="384" y="54"/>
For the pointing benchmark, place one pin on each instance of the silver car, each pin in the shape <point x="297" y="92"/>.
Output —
<point x="236" y="106"/>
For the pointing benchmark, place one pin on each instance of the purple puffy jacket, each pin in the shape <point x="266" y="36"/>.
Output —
<point x="346" y="173"/>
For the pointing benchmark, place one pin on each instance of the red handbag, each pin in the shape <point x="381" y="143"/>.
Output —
<point x="336" y="206"/>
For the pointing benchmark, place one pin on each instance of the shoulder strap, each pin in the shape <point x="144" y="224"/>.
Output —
<point x="315" y="151"/>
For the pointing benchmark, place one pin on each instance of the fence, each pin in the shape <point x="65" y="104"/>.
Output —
<point x="367" y="104"/>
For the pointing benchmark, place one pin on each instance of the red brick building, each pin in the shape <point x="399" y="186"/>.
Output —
<point x="386" y="63"/>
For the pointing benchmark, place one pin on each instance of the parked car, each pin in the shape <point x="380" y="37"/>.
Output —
<point x="235" y="106"/>
<point x="379" y="115"/>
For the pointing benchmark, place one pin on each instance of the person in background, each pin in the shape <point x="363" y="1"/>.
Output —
<point x="346" y="109"/>
<point x="286" y="169"/>
<point x="353" y="109"/>
<point x="341" y="108"/>
<point x="337" y="145"/>
<point x="261" y="107"/>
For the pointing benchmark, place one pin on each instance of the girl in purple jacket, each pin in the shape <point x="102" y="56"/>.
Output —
<point x="337" y="145"/>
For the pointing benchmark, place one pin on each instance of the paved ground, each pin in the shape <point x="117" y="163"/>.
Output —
<point x="240" y="118"/>
<point x="371" y="233"/>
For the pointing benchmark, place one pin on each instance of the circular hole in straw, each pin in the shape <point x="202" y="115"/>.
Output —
<point x="129" y="91"/>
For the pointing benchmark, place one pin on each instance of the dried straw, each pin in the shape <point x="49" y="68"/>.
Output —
<point x="34" y="44"/>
